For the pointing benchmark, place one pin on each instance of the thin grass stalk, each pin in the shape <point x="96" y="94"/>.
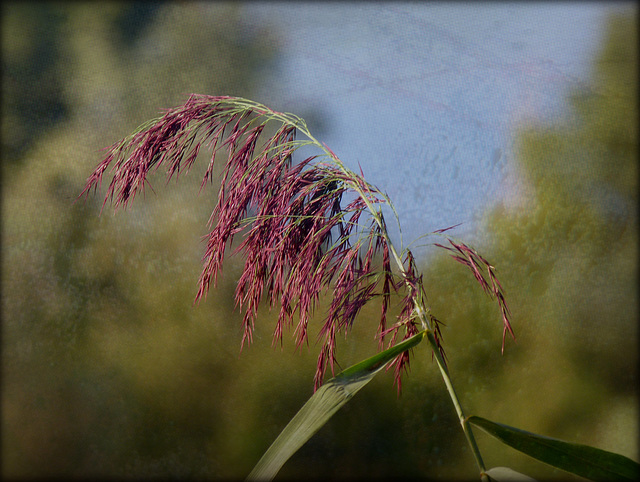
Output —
<point x="466" y="427"/>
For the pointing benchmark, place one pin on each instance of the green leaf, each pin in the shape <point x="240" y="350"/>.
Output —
<point x="505" y="474"/>
<point x="582" y="460"/>
<point x="322" y="405"/>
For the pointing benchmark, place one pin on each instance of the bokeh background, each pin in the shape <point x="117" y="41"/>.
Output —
<point x="517" y="120"/>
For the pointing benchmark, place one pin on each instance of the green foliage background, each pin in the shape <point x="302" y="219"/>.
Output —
<point x="109" y="370"/>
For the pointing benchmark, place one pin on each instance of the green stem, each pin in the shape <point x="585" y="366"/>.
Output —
<point x="466" y="428"/>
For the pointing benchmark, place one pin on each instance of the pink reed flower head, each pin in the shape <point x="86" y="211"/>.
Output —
<point x="298" y="239"/>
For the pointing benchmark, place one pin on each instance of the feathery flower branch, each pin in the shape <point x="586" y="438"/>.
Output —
<point x="288" y="215"/>
<point x="472" y="260"/>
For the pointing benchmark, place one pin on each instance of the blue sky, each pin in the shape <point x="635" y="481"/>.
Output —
<point x="427" y="97"/>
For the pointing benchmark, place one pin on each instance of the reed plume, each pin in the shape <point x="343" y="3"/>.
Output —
<point x="300" y="238"/>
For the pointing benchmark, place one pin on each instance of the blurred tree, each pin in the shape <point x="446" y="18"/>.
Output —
<point x="107" y="370"/>
<point x="30" y="56"/>
<point x="566" y="251"/>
